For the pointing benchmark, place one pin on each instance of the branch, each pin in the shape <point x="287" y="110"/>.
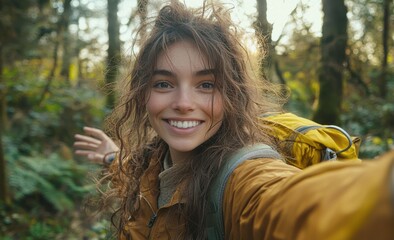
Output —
<point x="356" y="77"/>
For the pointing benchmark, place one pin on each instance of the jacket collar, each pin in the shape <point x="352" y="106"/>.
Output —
<point x="150" y="182"/>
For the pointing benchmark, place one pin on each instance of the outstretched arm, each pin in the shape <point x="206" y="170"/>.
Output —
<point x="331" y="200"/>
<point x="95" y="145"/>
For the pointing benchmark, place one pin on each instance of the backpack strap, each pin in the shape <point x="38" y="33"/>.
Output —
<point x="214" y="221"/>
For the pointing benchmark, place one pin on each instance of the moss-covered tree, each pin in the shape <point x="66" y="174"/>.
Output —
<point x="385" y="43"/>
<point x="263" y="32"/>
<point x="67" y="51"/>
<point x="333" y="56"/>
<point x="4" y="197"/>
<point x="113" y="57"/>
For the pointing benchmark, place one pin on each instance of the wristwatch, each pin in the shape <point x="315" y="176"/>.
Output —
<point x="109" y="158"/>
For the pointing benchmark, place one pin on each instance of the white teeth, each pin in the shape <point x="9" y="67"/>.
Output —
<point x="184" y="124"/>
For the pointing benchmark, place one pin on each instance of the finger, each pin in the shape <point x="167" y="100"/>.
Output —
<point x="87" y="139"/>
<point x="84" y="153"/>
<point x="97" y="158"/>
<point x="91" y="156"/>
<point x="85" y="145"/>
<point x="97" y="133"/>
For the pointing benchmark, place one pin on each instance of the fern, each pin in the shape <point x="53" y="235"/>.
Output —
<point x="41" y="230"/>
<point x="55" y="179"/>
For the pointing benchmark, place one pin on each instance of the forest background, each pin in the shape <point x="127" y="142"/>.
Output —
<point x="61" y="59"/>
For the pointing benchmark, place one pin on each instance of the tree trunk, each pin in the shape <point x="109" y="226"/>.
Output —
<point x="65" y="22"/>
<point x="142" y="12"/>
<point x="263" y="31"/>
<point x="3" y="122"/>
<point x="4" y="197"/>
<point x="55" y="54"/>
<point x="386" y="28"/>
<point x="78" y="51"/>
<point x="53" y="68"/>
<point x="3" y="94"/>
<point x="113" y="57"/>
<point x="333" y="57"/>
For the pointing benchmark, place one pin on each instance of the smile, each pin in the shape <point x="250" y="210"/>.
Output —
<point x="184" y="124"/>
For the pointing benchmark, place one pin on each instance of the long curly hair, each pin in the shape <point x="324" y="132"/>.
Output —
<point x="210" y="29"/>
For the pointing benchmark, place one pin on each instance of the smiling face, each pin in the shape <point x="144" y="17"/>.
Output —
<point x="184" y="107"/>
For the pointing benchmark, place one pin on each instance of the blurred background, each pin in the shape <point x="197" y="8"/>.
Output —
<point x="61" y="59"/>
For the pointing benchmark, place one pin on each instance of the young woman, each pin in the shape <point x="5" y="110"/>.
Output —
<point x="189" y="102"/>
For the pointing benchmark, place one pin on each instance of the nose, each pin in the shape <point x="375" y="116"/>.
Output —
<point x="184" y="100"/>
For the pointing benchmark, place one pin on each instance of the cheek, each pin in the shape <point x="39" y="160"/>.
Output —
<point x="218" y="108"/>
<point x="153" y="105"/>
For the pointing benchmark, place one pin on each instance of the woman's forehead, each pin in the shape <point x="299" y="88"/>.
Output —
<point x="182" y="56"/>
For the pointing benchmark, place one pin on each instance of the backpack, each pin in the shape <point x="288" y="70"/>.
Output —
<point x="302" y="143"/>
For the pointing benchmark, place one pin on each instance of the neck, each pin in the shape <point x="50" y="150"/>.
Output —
<point x="179" y="157"/>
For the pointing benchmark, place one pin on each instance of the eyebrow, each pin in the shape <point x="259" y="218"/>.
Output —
<point x="163" y="72"/>
<point x="204" y="72"/>
<point x="172" y="74"/>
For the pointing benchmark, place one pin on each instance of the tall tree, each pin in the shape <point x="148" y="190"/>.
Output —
<point x="3" y="103"/>
<point x="4" y="197"/>
<point x="263" y="31"/>
<point x="385" y="40"/>
<point x="65" y="22"/>
<point x="333" y="57"/>
<point x="15" y="42"/>
<point x="3" y="119"/>
<point x="113" y="57"/>
<point x="142" y="12"/>
<point x="55" y="52"/>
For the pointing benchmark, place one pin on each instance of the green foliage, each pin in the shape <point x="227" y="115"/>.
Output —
<point x="63" y="111"/>
<point x="47" y="184"/>
<point x="100" y="230"/>
<point x="373" y="146"/>
<point x="44" y="179"/>
<point x="299" y="62"/>
<point x="301" y="98"/>
<point x="17" y="27"/>
<point x="56" y="179"/>
<point x="43" y="187"/>
<point x="371" y="119"/>
<point x="42" y="231"/>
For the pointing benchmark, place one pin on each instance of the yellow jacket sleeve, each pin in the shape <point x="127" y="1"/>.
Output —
<point x="267" y="199"/>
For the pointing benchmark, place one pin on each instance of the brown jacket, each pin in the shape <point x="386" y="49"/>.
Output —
<point x="267" y="199"/>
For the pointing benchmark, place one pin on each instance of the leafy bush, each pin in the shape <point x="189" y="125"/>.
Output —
<point x="56" y="179"/>
<point x="48" y="197"/>
<point x="39" y="118"/>
<point x="372" y="121"/>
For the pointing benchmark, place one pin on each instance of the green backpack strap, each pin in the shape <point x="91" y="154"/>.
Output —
<point x="214" y="221"/>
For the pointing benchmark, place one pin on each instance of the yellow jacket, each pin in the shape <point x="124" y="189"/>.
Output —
<point x="268" y="199"/>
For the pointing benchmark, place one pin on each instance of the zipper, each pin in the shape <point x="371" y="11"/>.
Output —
<point x="153" y="218"/>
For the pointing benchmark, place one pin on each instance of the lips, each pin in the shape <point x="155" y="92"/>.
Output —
<point x="184" y="124"/>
